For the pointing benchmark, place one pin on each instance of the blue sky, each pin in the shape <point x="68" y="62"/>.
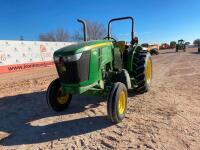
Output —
<point x="155" y="20"/>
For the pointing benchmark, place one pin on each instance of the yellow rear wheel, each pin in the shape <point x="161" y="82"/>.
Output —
<point x="142" y="71"/>
<point x="148" y="71"/>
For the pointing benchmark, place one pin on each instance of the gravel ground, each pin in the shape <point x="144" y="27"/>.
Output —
<point x="167" y="117"/>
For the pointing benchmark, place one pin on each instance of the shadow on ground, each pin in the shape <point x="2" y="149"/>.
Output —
<point x="17" y="111"/>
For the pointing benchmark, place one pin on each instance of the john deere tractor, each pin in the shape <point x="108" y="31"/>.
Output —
<point x="180" y="45"/>
<point x="101" y="68"/>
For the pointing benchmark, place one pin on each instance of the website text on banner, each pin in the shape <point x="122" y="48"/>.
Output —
<point x="20" y="55"/>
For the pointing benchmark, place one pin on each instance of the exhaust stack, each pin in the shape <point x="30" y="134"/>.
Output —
<point x="83" y="22"/>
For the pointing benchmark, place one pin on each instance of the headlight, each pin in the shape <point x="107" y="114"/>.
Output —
<point x="56" y="59"/>
<point x="70" y="58"/>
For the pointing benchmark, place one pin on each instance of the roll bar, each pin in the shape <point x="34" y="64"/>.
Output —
<point x="123" y="18"/>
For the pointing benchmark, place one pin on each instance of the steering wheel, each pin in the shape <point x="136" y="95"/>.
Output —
<point x="110" y="38"/>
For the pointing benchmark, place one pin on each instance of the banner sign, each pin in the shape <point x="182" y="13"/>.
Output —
<point x="20" y="55"/>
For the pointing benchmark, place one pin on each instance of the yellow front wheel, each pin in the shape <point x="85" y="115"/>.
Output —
<point x="117" y="102"/>
<point x="122" y="102"/>
<point x="62" y="97"/>
<point x="57" y="99"/>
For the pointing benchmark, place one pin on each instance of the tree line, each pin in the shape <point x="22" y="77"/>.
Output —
<point x="95" y="31"/>
<point x="197" y="42"/>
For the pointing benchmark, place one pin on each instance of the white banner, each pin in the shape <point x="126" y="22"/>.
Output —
<point x="20" y="52"/>
<point x="27" y="52"/>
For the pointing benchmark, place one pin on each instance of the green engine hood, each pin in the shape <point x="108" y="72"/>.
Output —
<point x="80" y="47"/>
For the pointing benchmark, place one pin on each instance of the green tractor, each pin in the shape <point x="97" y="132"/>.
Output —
<point x="180" y="45"/>
<point x="105" y="68"/>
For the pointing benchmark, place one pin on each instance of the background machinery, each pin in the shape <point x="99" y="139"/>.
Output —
<point x="164" y="46"/>
<point x="152" y="48"/>
<point x="180" y="45"/>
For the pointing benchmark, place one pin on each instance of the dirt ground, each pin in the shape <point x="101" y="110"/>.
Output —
<point x="167" y="117"/>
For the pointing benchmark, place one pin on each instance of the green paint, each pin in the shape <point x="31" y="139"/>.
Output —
<point x="78" y="48"/>
<point x="101" y="54"/>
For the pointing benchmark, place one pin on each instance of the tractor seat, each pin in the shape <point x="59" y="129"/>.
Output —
<point x="121" y="45"/>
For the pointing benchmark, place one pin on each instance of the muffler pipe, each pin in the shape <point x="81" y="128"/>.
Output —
<point x="83" y="22"/>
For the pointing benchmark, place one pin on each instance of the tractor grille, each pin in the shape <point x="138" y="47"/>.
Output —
<point x="74" y="72"/>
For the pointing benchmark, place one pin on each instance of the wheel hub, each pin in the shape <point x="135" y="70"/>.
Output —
<point x="122" y="102"/>
<point x="148" y="71"/>
<point x="62" y="97"/>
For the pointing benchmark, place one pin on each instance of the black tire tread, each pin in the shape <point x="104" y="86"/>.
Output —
<point x="139" y="62"/>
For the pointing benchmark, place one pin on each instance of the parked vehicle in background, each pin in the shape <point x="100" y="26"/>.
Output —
<point x="180" y="45"/>
<point x="164" y="46"/>
<point x="152" y="48"/>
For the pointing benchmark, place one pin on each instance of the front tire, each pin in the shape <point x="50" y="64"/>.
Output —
<point x="57" y="99"/>
<point x="117" y="102"/>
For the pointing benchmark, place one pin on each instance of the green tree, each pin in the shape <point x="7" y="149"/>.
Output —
<point x="197" y="42"/>
<point x="187" y="43"/>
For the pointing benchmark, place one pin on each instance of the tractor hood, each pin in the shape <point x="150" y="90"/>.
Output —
<point x="81" y="47"/>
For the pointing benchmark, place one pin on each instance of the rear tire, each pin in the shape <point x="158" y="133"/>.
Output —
<point x="56" y="98"/>
<point x="142" y="71"/>
<point x="154" y="52"/>
<point x="117" y="102"/>
<point x="157" y="52"/>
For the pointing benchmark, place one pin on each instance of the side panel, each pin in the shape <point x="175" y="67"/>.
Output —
<point x="99" y="58"/>
<point x="95" y="71"/>
<point x="107" y="55"/>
